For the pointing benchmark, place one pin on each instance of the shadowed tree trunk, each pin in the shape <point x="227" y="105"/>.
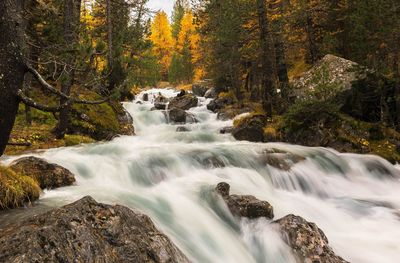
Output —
<point x="279" y="43"/>
<point x="267" y="58"/>
<point x="72" y="10"/>
<point x="313" y="52"/>
<point x="12" y="69"/>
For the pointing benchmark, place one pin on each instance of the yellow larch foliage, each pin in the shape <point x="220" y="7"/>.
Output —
<point x="163" y="42"/>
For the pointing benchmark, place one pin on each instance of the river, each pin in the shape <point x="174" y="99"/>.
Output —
<point x="169" y="175"/>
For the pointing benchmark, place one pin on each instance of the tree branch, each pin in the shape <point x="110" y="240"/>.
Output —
<point x="30" y="102"/>
<point x="53" y="90"/>
<point x="27" y="144"/>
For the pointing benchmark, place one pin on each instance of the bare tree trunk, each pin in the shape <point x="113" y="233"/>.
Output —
<point x="109" y="35"/>
<point x="72" y="9"/>
<point x="267" y="58"/>
<point x="12" y="68"/>
<point x="313" y="53"/>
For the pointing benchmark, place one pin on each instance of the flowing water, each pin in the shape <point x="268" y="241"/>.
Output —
<point x="170" y="175"/>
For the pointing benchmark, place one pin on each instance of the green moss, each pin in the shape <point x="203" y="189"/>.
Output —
<point x="16" y="189"/>
<point x="94" y="120"/>
<point x="71" y="140"/>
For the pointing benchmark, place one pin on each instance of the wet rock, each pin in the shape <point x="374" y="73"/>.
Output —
<point x="251" y="129"/>
<point x="280" y="159"/>
<point x="307" y="241"/>
<point x="125" y="121"/>
<point x="160" y="102"/>
<point x="226" y="130"/>
<point x="177" y="115"/>
<point x="184" y="102"/>
<point x="139" y="102"/>
<point x="244" y="205"/>
<point x="219" y="103"/>
<point x="48" y="175"/>
<point x="199" y="89"/>
<point x="145" y="97"/>
<point x="211" y="93"/>
<point x="87" y="231"/>
<point x="181" y="93"/>
<point x="182" y="129"/>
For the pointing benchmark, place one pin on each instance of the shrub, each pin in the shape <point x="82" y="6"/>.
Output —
<point x="306" y="116"/>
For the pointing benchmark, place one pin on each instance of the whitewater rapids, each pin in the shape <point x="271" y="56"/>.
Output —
<point x="354" y="199"/>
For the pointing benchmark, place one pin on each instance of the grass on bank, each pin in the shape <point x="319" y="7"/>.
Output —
<point x="16" y="189"/>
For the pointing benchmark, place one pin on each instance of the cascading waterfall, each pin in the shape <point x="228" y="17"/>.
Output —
<point x="169" y="175"/>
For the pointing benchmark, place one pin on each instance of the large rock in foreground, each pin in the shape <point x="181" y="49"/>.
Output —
<point x="184" y="102"/>
<point x="307" y="241"/>
<point x="48" y="175"/>
<point x="87" y="231"/>
<point x="244" y="205"/>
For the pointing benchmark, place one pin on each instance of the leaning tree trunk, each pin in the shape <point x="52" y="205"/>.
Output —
<point x="72" y="9"/>
<point x="12" y="69"/>
<point x="267" y="58"/>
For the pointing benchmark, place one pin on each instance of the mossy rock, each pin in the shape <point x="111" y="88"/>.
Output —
<point x="16" y="189"/>
<point x="100" y="122"/>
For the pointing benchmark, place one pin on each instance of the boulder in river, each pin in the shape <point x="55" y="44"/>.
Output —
<point x="250" y="129"/>
<point x="307" y="241"/>
<point x="211" y="93"/>
<point x="48" y="175"/>
<point x="199" y="89"/>
<point x="177" y="115"/>
<point x="145" y="97"/>
<point x="219" y="103"/>
<point x="160" y="102"/>
<point x="181" y="93"/>
<point x="184" y="102"/>
<point x="87" y="231"/>
<point x="244" y="205"/>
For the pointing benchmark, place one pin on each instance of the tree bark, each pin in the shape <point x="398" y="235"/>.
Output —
<point x="267" y="58"/>
<point x="12" y="69"/>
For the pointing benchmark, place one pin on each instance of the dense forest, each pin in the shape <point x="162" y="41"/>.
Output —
<point x="169" y="111"/>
